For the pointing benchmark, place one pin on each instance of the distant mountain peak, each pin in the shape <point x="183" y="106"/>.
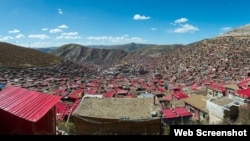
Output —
<point x="240" y="31"/>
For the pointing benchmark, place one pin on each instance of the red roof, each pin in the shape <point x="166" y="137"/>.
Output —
<point x="176" y="112"/>
<point x="195" y="86"/>
<point x="168" y="98"/>
<point x="161" y="89"/>
<point x="168" y="113"/>
<point x="120" y="91"/>
<point x="91" y="91"/>
<point x="93" y="84"/>
<point x="179" y="94"/>
<point x="109" y="94"/>
<point x="26" y="104"/>
<point x="76" y="94"/>
<point x="244" y="93"/>
<point x="180" y="111"/>
<point x="217" y="87"/>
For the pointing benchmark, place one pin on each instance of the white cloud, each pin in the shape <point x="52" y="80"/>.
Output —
<point x="181" y="20"/>
<point x="40" y="44"/>
<point x="39" y="36"/>
<point x="140" y="17"/>
<point x="55" y="30"/>
<point x="153" y="29"/>
<point x="186" y="28"/>
<point x="226" y="28"/>
<point x="63" y="26"/>
<point x="69" y="35"/>
<point x="116" y="40"/>
<point x="44" y="29"/>
<point x="60" y="11"/>
<point x="19" y="36"/>
<point x="14" y="31"/>
<point x="6" y="38"/>
<point x="183" y="26"/>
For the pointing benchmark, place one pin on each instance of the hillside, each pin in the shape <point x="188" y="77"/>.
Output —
<point x="19" y="57"/>
<point x="221" y="58"/>
<point x="126" y="47"/>
<point x="46" y="49"/>
<point x="157" y="49"/>
<point x="130" y="47"/>
<point x="107" y="55"/>
<point x="79" y="53"/>
<point x="242" y="31"/>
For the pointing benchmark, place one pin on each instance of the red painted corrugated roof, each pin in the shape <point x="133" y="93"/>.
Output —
<point x="27" y="104"/>
<point x="109" y="94"/>
<point x="179" y="94"/>
<point x="120" y="91"/>
<point x="180" y="111"/>
<point x="168" y="113"/>
<point x="76" y="94"/>
<point x="244" y="93"/>
<point x="176" y="112"/>
<point x="217" y="87"/>
<point x="161" y="89"/>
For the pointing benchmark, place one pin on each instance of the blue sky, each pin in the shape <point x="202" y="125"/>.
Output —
<point x="50" y="23"/>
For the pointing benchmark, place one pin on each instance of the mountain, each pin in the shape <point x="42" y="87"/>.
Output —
<point x="130" y="47"/>
<point x="158" y="49"/>
<point x="46" y="49"/>
<point x="125" y="47"/>
<point x="18" y="57"/>
<point x="109" y="54"/>
<point x="220" y="58"/>
<point x="240" y="31"/>
<point x="79" y="53"/>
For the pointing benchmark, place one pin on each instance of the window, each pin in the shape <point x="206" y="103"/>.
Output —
<point x="191" y="109"/>
<point x="203" y="115"/>
<point x="210" y="92"/>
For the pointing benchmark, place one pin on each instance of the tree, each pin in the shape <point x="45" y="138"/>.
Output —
<point x="68" y="127"/>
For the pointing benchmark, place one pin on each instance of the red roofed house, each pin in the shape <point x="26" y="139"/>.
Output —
<point x="178" y="115"/>
<point x="27" y="112"/>
<point x="216" y="90"/>
<point x="196" y="104"/>
<point x="242" y="96"/>
<point x="178" y="94"/>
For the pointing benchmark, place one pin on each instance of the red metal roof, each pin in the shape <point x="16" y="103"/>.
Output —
<point x="77" y="94"/>
<point x="120" y="91"/>
<point x="244" y="93"/>
<point x="91" y="91"/>
<point x="161" y="89"/>
<point x="176" y="112"/>
<point x="180" y="111"/>
<point x="109" y="94"/>
<point x="179" y="94"/>
<point x="27" y="104"/>
<point x="168" y="113"/>
<point x="217" y="87"/>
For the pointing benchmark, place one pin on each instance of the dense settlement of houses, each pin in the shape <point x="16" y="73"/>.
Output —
<point x="126" y="99"/>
